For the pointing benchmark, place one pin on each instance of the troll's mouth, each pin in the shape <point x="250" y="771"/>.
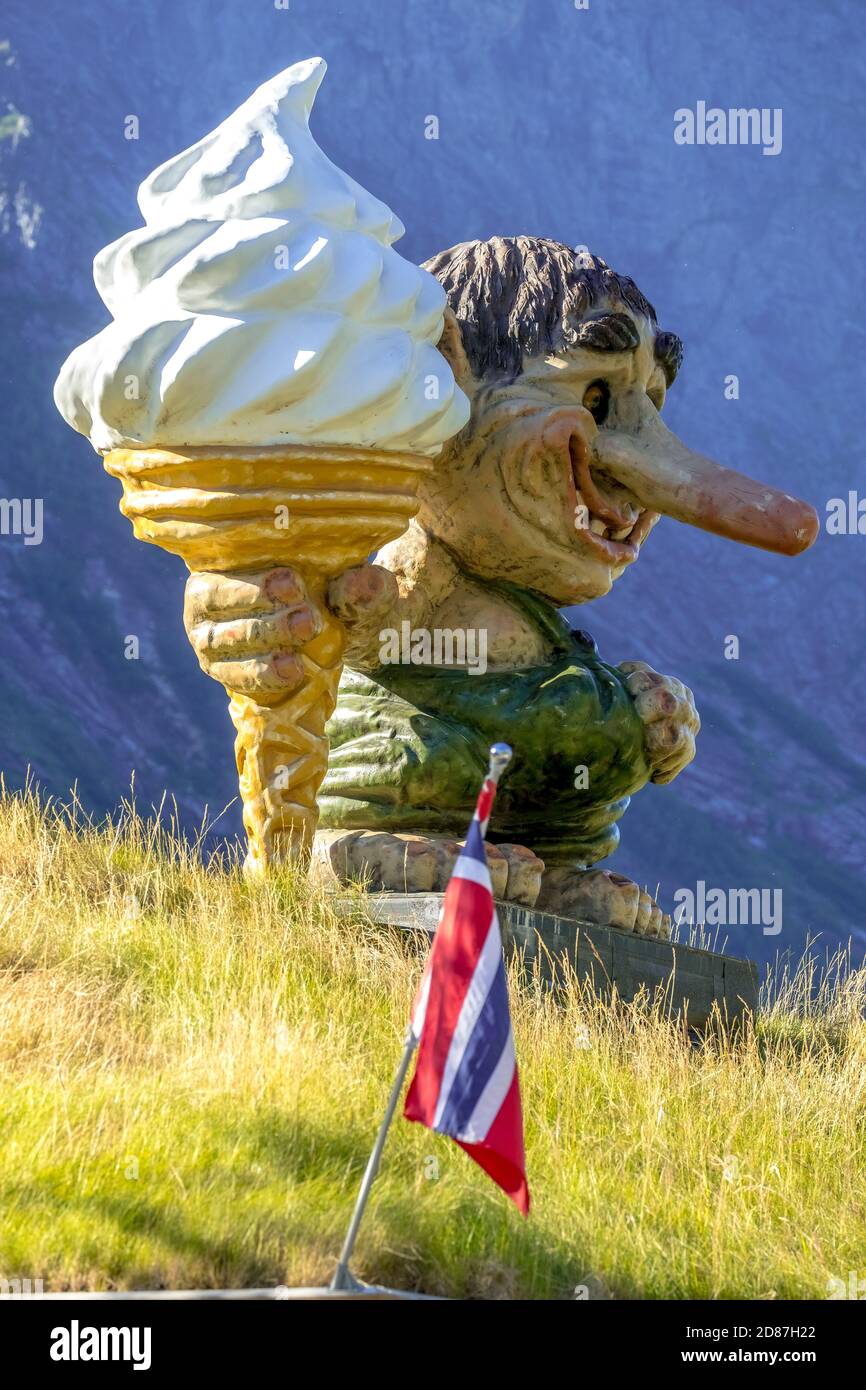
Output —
<point x="608" y="520"/>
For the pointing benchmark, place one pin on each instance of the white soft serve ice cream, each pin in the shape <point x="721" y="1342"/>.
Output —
<point x="262" y="304"/>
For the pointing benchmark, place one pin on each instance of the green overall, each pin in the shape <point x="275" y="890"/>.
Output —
<point x="409" y="747"/>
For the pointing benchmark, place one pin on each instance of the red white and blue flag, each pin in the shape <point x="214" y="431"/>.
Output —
<point x="465" y="1083"/>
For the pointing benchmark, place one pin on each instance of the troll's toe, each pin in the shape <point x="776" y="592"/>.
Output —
<point x="525" y="871"/>
<point x="604" y="899"/>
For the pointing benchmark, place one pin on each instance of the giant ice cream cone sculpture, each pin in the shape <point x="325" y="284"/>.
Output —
<point x="319" y="510"/>
<point x="269" y="394"/>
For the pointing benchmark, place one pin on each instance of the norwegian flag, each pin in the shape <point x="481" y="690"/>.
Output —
<point x="465" y="1083"/>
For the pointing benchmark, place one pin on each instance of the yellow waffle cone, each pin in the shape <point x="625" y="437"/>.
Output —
<point x="317" y="509"/>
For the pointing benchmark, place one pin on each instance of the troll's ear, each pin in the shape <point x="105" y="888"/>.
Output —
<point x="452" y="349"/>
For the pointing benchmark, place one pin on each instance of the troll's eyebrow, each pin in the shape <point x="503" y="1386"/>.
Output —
<point x="618" y="333"/>
<point x="607" y="333"/>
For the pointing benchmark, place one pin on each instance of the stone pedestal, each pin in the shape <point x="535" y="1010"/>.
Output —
<point x="690" y="981"/>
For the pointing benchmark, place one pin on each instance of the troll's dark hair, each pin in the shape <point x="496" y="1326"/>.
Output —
<point x="516" y="296"/>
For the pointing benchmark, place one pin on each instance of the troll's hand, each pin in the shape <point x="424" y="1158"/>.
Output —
<point x="248" y="630"/>
<point x="670" y="720"/>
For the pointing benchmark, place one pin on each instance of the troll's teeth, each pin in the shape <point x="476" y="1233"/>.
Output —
<point x="597" y="526"/>
<point x="623" y="534"/>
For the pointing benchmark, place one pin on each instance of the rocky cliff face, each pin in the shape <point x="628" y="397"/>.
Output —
<point x="553" y="121"/>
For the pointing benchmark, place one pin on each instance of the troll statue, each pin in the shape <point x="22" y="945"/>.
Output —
<point x="540" y="503"/>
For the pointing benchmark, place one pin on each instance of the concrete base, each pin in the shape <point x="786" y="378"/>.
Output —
<point x="690" y="982"/>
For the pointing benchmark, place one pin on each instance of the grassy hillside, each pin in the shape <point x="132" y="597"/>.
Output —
<point x="192" y="1070"/>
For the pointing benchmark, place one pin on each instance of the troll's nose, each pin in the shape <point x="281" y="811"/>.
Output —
<point x="658" y="468"/>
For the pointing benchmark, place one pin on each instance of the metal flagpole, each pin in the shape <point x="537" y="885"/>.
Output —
<point x="500" y="756"/>
<point x="343" y="1279"/>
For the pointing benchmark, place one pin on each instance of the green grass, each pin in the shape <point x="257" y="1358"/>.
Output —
<point x="192" y="1070"/>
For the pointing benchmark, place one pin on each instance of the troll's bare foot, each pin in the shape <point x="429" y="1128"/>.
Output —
<point x="605" y="898"/>
<point x="421" y="864"/>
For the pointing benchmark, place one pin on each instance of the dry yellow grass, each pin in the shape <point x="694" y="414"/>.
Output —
<point x="192" y="1070"/>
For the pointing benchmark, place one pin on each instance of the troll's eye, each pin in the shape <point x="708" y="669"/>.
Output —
<point x="596" y="399"/>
